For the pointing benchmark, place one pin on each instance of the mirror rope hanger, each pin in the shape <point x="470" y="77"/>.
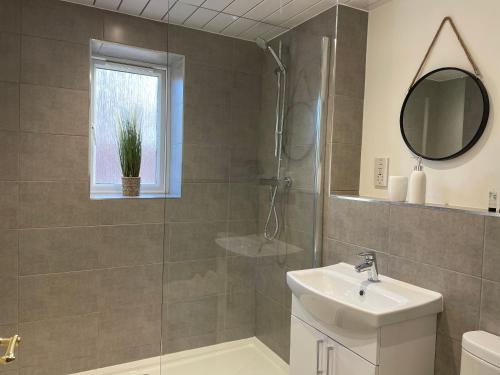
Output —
<point x="462" y="43"/>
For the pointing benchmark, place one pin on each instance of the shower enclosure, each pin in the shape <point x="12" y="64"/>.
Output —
<point x="156" y="285"/>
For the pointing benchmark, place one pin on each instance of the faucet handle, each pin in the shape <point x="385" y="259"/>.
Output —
<point x="368" y="255"/>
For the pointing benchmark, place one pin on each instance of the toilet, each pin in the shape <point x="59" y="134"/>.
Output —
<point x="480" y="354"/>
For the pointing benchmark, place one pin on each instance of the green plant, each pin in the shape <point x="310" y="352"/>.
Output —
<point x="129" y="144"/>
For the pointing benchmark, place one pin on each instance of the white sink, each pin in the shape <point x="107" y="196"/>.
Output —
<point x="338" y="295"/>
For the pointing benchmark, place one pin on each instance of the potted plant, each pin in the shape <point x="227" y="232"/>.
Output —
<point x="130" y="153"/>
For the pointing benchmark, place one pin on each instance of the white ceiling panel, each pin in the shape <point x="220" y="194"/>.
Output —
<point x="134" y="7"/>
<point x="240" y="7"/>
<point x="239" y="26"/>
<point x="180" y="12"/>
<point x="156" y="9"/>
<point x="219" y="23"/>
<point x="200" y="18"/>
<point x="216" y="4"/>
<point x="265" y="8"/>
<point x="235" y="18"/>
<point x="309" y="13"/>
<point x="289" y="10"/>
<point x="108" y="4"/>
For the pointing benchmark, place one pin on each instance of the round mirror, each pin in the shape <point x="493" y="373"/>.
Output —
<point x="444" y="114"/>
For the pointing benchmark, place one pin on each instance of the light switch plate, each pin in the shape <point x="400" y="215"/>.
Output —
<point x="381" y="172"/>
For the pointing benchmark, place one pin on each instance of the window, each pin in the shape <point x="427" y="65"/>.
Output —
<point x="129" y="81"/>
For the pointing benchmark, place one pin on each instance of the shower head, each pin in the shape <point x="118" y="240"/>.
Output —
<point x="261" y="43"/>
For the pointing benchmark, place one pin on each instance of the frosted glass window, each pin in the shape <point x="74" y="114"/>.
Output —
<point x="125" y="90"/>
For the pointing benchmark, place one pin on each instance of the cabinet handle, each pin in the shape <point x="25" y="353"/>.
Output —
<point x="318" y="356"/>
<point x="329" y="367"/>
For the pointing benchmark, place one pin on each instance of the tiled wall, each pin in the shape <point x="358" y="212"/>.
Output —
<point x="345" y="123"/>
<point x="82" y="279"/>
<point x="452" y="252"/>
<point x="303" y="56"/>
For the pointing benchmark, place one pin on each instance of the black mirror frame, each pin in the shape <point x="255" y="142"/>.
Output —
<point x="480" y="130"/>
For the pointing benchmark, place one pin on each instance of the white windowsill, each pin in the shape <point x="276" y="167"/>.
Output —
<point x="102" y="196"/>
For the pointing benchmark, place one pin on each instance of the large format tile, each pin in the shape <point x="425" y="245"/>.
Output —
<point x="490" y="307"/>
<point x="9" y="101"/>
<point x="59" y="346"/>
<point x="9" y="253"/>
<point x="117" y="326"/>
<point x="345" y="166"/>
<point x="204" y="163"/>
<point x="445" y="238"/>
<point x="131" y="211"/>
<point x="361" y="223"/>
<point x="243" y="201"/>
<point x="50" y="204"/>
<point x="9" y="204"/>
<point x="240" y="274"/>
<point x="62" y="21"/>
<point x="9" y="305"/>
<point x="134" y="31"/>
<point x="10" y="16"/>
<point x="239" y="314"/>
<point x="347" y="120"/>
<point x="47" y="157"/>
<point x="55" y="63"/>
<point x="491" y="261"/>
<point x="199" y="202"/>
<point x="53" y="110"/>
<point x="448" y="354"/>
<point x="461" y="293"/>
<point x="57" y="295"/>
<point x="198" y="240"/>
<point x="9" y="155"/>
<point x="207" y="124"/>
<point x="195" y="279"/>
<point x="207" y="85"/>
<point x="129" y="286"/>
<point x="247" y="57"/>
<point x="11" y="54"/>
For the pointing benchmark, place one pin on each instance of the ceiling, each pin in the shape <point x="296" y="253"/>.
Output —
<point x="244" y="19"/>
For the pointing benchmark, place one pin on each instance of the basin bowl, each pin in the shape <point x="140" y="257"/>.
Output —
<point x="337" y="295"/>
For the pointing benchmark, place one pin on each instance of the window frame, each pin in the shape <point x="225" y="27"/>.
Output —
<point x="163" y="124"/>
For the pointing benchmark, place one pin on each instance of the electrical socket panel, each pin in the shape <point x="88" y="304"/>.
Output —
<point x="381" y="172"/>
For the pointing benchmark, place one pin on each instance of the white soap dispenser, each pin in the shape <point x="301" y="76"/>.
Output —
<point x="417" y="185"/>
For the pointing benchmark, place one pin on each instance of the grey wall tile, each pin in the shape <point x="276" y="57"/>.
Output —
<point x="444" y="238"/>
<point x="9" y="100"/>
<point x="448" y="354"/>
<point x="9" y="203"/>
<point x="240" y="274"/>
<point x="491" y="261"/>
<point x="130" y="245"/>
<point x="240" y="313"/>
<point x="243" y="201"/>
<point x="490" y="307"/>
<point x="270" y="279"/>
<point x="205" y="163"/>
<point x="58" y="250"/>
<point x="57" y="295"/>
<point x="247" y="57"/>
<point x="54" y="110"/>
<point x="195" y="279"/>
<point x="49" y="204"/>
<point x="243" y="164"/>
<point x="59" y="346"/>
<point x="9" y="154"/>
<point x="345" y="166"/>
<point x="359" y="223"/>
<point x="61" y="21"/>
<point x="207" y="124"/>
<point x="194" y="318"/>
<point x="10" y="16"/>
<point x="199" y="202"/>
<point x="116" y="326"/>
<point x="461" y="293"/>
<point x="47" y="157"/>
<point x="198" y="240"/>
<point x="246" y="91"/>
<point x="347" y="120"/>
<point x="131" y="211"/>
<point x="300" y="210"/>
<point x="55" y="63"/>
<point x="120" y="28"/>
<point x="207" y="85"/>
<point x="201" y="47"/>
<point x="129" y="286"/>
<point x="11" y="52"/>
<point x="9" y="308"/>
<point x="9" y="252"/>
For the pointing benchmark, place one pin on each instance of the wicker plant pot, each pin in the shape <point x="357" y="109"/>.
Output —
<point x="131" y="186"/>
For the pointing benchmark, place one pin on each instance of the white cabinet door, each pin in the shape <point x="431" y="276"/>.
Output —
<point x="341" y="361"/>
<point x="307" y="349"/>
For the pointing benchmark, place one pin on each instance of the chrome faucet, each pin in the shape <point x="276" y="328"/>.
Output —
<point x="369" y="265"/>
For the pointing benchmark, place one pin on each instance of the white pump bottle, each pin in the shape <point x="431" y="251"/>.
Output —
<point x="417" y="184"/>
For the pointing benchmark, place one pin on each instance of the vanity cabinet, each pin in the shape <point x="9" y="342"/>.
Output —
<point x="313" y="352"/>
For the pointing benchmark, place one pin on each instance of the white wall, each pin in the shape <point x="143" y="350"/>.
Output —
<point x="399" y="33"/>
